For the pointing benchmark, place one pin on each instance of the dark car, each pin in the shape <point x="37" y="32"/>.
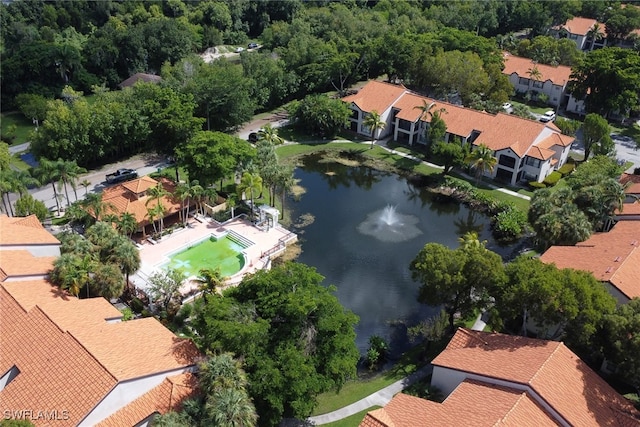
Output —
<point x="252" y="45"/>
<point x="253" y="137"/>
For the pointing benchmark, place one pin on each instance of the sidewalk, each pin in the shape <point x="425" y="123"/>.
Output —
<point x="383" y="144"/>
<point x="379" y="398"/>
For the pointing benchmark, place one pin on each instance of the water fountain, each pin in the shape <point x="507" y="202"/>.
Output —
<point x="388" y="225"/>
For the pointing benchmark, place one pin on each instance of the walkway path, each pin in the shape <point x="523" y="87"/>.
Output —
<point x="383" y="144"/>
<point x="379" y="398"/>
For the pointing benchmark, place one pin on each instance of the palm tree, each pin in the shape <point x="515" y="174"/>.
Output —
<point x="127" y="224"/>
<point x="534" y="74"/>
<point x="470" y="240"/>
<point x="594" y="34"/>
<point x="196" y="192"/>
<point x="126" y="256"/>
<point x="482" y="160"/>
<point x="374" y="122"/>
<point x="232" y="202"/>
<point x="183" y="193"/>
<point x="86" y="184"/>
<point x="47" y="171"/>
<point x="232" y="408"/>
<point x="65" y="172"/>
<point x="11" y="182"/>
<point x="252" y="183"/>
<point x="210" y="280"/>
<point x="270" y="134"/>
<point x="224" y="383"/>
<point x="156" y="194"/>
<point x="98" y="208"/>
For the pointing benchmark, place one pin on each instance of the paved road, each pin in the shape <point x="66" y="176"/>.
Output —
<point x="143" y="164"/>
<point x="626" y="149"/>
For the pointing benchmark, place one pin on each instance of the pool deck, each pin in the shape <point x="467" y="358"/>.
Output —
<point x="265" y="242"/>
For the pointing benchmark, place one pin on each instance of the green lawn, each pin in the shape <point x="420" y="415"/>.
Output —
<point x="533" y="108"/>
<point x="352" y="421"/>
<point x="23" y="125"/>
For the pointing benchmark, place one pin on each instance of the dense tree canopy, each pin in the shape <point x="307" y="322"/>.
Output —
<point x="459" y="279"/>
<point x="557" y="304"/>
<point x="611" y="79"/>
<point x="294" y="336"/>
<point x="211" y="156"/>
<point x="621" y="340"/>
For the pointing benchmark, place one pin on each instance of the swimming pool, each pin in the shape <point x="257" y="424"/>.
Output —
<point x="224" y="252"/>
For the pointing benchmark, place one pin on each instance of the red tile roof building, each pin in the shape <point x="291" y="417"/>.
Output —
<point x="551" y="81"/>
<point x="612" y="257"/>
<point x="69" y="362"/>
<point x="526" y="149"/>
<point x="131" y="197"/>
<point x="503" y="380"/>
<point x="579" y="29"/>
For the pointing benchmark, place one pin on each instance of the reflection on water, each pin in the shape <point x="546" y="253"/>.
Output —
<point x="372" y="274"/>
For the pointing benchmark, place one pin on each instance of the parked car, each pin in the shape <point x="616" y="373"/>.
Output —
<point x="121" y="175"/>
<point x="253" y="137"/>
<point x="549" y="116"/>
<point x="239" y="49"/>
<point x="507" y="107"/>
<point x="252" y="45"/>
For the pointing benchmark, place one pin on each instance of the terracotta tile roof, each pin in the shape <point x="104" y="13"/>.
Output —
<point x="376" y="96"/>
<point x="156" y="348"/>
<point x="538" y="152"/>
<point x="166" y="397"/>
<point x="459" y="120"/>
<point x="65" y="310"/>
<point x="508" y="131"/>
<point x="24" y="231"/>
<point x="632" y="183"/>
<point x="140" y="185"/>
<point x="611" y="257"/>
<point x="56" y="371"/>
<point x="498" y="132"/>
<point x="475" y="402"/>
<point x="582" y="26"/>
<point x="124" y="198"/>
<point x="629" y="209"/>
<point x="15" y="263"/>
<point x="549" y="369"/>
<point x="558" y="75"/>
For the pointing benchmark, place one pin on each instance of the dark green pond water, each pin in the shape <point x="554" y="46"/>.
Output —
<point x="365" y="250"/>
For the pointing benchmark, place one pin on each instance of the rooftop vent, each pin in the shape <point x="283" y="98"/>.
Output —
<point x="617" y="259"/>
<point x="609" y="269"/>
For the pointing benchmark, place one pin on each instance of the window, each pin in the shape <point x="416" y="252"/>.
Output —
<point x="507" y="161"/>
<point x="523" y="81"/>
<point x="355" y="114"/>
<point x="530" y="161"/>
<point x="9" y="376"/>
<point x="538" y="84"/>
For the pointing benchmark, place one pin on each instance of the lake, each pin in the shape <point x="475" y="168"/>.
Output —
<point x="362" y="247"/>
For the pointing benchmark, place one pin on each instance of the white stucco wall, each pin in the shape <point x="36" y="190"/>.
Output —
<point x="35" y="250"/>
<point x="124" y="393"/>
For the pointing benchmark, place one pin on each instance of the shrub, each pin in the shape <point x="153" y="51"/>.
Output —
<point x="136" y="305"/>
<point x="553" y="178"/>
<point x="509" y="224"/>
<point x="567" y="169"/>
<point x="536" y="184"/>
<point x="377" y="352"/>
<point x="127" y="314"/>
